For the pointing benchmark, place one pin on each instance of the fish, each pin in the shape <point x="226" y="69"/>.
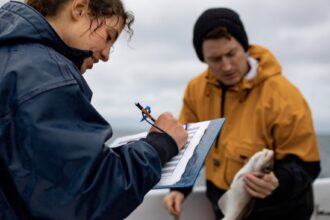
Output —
<point x="236" y="203"/>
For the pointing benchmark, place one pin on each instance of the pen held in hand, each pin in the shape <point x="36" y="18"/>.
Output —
<point x="144" y="111"/>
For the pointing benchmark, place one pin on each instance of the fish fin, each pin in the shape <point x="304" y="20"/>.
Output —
<point x="222" y="203"/>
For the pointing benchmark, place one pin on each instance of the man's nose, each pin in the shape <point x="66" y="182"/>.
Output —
<point x="226" y="64"/>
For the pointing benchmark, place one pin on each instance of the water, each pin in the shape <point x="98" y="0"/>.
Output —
<point x="323" y="140"/>
<point x="324" y="143"/>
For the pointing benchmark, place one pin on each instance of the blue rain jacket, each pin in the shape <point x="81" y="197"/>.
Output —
<point x="52" y="139"/>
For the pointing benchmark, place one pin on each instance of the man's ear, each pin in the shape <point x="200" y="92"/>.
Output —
<point x="79" y="8"/>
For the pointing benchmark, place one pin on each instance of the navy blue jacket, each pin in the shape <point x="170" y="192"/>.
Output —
<point x="52" y="152"/>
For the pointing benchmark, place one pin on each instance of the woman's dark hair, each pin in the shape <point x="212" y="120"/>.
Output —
<point x="97" y="9"/>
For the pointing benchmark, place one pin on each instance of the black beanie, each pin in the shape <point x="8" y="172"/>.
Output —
<point x="218" y="17"/>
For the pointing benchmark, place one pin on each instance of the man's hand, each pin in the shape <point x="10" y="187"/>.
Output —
<point x="173" y="202"/>
<point x="169" y="124"/>
<point x="260" y="185"/>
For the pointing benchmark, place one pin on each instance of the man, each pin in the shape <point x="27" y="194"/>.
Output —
<point x="244" y="84"/>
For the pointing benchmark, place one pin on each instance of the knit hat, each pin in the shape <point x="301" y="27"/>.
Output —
<point x="218" y="17"/>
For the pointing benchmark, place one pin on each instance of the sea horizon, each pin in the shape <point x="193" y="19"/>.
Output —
<point x="323" y="142"/>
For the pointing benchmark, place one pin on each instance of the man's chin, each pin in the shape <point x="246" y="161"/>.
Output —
<point x="231" y="81"/>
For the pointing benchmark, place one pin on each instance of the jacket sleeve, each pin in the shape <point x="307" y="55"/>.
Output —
<point x="187" y="113"/>
<point x="295" y="176"/>
<point x="64" y="168"/>
<point x="297" y="155"/>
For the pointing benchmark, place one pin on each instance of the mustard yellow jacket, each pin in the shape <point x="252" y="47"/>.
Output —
<point x="266" y="112"/>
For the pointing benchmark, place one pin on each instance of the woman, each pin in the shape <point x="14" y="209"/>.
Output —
<point x="53" y="160"/>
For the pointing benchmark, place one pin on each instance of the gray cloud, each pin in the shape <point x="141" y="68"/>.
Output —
<point x="163" y="59"/>
<point x="156" y="65"/>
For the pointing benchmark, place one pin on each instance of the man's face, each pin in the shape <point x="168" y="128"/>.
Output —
<point x="226" y="59"/>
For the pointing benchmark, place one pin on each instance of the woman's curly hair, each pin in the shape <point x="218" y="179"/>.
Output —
<point x="96" y="8"/>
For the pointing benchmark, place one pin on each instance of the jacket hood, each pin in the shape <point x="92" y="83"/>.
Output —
<point x="23" y="24"/>
<point x="268" y="66"/>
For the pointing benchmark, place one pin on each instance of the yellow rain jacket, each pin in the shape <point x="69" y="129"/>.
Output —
<point x="266" y="112"/>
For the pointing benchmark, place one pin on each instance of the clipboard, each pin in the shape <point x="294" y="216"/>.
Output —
<point x="196" y="162"/>
<point x="183" y="169"/>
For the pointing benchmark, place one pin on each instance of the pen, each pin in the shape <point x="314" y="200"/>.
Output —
<point x="144" y="111"/>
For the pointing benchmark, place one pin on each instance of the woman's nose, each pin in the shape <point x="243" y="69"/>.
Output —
<point x="105" y="54"/>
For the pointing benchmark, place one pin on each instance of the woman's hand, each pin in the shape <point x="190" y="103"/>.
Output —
<point x="171" y="126"/>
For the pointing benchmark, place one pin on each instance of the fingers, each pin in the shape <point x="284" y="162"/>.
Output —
<point x="177" y="205"/>
<point x="260" y="185"/>
<point x="165" y="120"/>
<point x="173" y="202"/>
<point x="171" y="126"/>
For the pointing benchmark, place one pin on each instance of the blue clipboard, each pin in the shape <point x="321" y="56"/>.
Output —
<point x="196" y="162"/>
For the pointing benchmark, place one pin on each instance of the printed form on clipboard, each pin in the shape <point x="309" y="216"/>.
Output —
<point x="173" y="169"/>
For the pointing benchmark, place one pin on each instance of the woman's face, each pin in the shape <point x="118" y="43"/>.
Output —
<point x="98" y="36"/>
<point x="78" y="29"/>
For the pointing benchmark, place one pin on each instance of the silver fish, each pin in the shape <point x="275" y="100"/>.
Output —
<point x="236" y="203"/>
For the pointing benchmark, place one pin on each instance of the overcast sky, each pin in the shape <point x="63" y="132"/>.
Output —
<point x="155" y="66"/>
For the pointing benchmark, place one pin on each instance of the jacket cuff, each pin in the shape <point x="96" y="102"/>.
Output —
<point x="185" y="191"/>
<point x="163" y="144"/>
